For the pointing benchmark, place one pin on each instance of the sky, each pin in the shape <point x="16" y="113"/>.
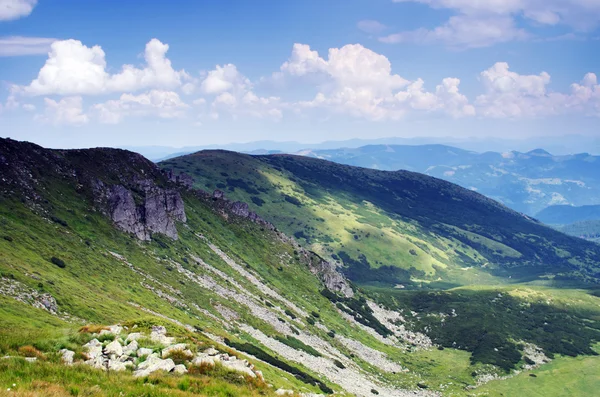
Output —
<point x="184" y="73"/>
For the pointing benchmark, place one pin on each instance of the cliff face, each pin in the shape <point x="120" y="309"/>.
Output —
<point x="137" y="197"/>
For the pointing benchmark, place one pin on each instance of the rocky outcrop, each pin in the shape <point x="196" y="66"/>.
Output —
<point x="330" y="276"/>
<point x="151" y="210"/>
<point x="182" y="178"/>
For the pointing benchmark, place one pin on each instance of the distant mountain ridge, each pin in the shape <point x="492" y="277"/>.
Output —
<point x="526" y="182"/>
<point x="566" y="214"/>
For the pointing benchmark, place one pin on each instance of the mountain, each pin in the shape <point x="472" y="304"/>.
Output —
<point x="566" y="214"/>
<point x="393" y="227"/>
<point x="155" y="288"/>
<point x="589" y="230"/>
<point x="526" y="182"/>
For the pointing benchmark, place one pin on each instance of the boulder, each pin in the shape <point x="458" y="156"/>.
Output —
<point x="153" y="364"/>
<point x="93" y="349"/>
<point x="238" y="366"/>
<point x="67" y="356"/>
<point x="211" y="351"/>
<point x="134" y="336"/>
<point x="180" y="369"/>
<point x="116" y="365"/>
<point x="206" y="360"/>
<point x="114" y="348"/>
<point x="131" y="348"/>
<point x="144" y="352"/>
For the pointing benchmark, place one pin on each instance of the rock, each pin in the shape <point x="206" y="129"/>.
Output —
<point x="115" y="329"/>
<point x="158" y="334"/>
<point x="114" y="348"/>
<point x="134" y="336"/>
<point x="93" y="349"/>
<point x="180" y="369"/>
<point x="153" y="364"/>
<point x="218" y="195"/>
<point x="284" y="392"/>
<point x="206" y="360"/>
<point x="131" y="348"/>
<point x="115" y="365"/>
<point x="67" y="356"/>
<point x="211" y="351"/>
<point x="240" y="209"/>
<point x="157" y="213"/>
<point x="178" y="347"/>
<point x="31" y="359"/>
<point x="238" y="366"/>
<point x="144" y="352"/>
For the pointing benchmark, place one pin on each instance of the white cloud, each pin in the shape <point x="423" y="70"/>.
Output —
<point x="371" y="26"/>
<point x="18" y="45"/>
<point x="163" y="104"/>
<point x="360" y="82"/>
<point x="224" y="78"/>
<point x="511" y="95"/>
<point x="234" y="96"/>
<point x="483" y="23"/>
<point x="75" y="69"/>
<point x="67" y="111"/>
<point x="464" y="32"/>
<point x="15" y="9"/>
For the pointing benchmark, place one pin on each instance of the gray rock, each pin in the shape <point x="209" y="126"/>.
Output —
<point x="93" y="349"/>
<point x="67" y="356"/>
<point x="114" y="348"/>
<point x="144" y="352"/>
<point x="153" y="364"/>
<point x="134" y="336"/>
<point x="240" y="209"/>
<point x="131" y="348"/>
<point x="180" y="369"/>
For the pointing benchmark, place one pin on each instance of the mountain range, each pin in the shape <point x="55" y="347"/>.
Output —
<point x="280" y="275"/>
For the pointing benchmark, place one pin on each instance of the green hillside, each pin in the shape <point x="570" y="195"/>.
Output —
<point x="394" y="227"/>
<point x="93" y="238"/>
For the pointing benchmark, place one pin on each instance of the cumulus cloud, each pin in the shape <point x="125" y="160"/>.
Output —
<point x="67" y="111"/>
<point x="233" y="95"/>
<point x="512" y="95"/>
<point x="19" y="45"/>
<point x="75" y="69"/>
<point x="163" y="104"/>
<point x="15" y="9"/>
<point x="360" y="82"/>
<point x="482" y="23"/>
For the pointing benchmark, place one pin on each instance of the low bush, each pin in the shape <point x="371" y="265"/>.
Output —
<point x="58" y="262"/>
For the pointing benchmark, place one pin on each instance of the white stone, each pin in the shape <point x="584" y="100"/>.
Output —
<point x="131" y="348"/>
<point x="93" y="349"/>
<point x="114" y="365"/>
<point x="114" y="347"/>
<point x="211" y="351"/>
<point x="134" y="336"/>
<point x="180" y="369"/>
<point x="238" y="366"/>
<point x="144" y="352"/>
<point x="67" y="356"/>
<point x="180" y="346"/>
<point x="153" y="364"/>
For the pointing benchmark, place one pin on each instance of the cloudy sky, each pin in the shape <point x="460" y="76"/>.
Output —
<point x="101" y="72"/>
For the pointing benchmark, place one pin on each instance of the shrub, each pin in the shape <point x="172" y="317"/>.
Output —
<point x="58" y="262"/>
<point x="315" y="314"/>
<point x="106" y="337"/>
<point x="310" y="320"/>
<point x="298" y="345"/>
<point x="30" y="351"/>
<point x="8" y="238"/>
<point x="179" y="356"/>
<point x="331" y="333"/>
<point x="92" y="329"/>
<point x="289" y="313"/>
<point x="339" y="364"/>
<point x="59" y="221"/>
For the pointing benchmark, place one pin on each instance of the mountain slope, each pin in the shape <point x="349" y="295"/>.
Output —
<point x="393" y="227"/>
<point x="527" y="182"/>
<point x="91" y="238"/>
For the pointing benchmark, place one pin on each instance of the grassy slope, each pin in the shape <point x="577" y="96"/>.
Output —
<point x="98" y="288"/>
<point x="380" y="222"/>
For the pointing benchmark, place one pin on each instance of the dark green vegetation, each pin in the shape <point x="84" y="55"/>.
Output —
<point x="395" y="227"/>
<point x="266" y="357"/>
<point x="275" y="308"/>
<point x="526" y="182"/>
<point x="589" y="230"/>
<point x="493" y="324"/>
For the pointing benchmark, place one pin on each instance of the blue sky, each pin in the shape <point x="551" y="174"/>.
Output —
<point x="180" y="73"/>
